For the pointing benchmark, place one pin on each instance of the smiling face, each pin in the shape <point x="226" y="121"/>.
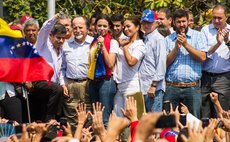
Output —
<point x="80" y="29"/>
<point x="130" y="29"/>
<point x="102" y="26"/>
<point x="117" y="28"/>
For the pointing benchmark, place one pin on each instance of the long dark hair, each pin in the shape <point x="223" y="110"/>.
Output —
<point x="136" y="21"/>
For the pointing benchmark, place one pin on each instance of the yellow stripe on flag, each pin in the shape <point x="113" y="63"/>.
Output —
<point x="92" y="61"/>
<point x="5" y="30"/>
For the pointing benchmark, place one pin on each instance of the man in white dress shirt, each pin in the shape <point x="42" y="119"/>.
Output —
<point x="75" y="68"/>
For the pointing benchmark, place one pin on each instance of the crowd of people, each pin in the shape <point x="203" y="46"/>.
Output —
<point x="125" y="79"/>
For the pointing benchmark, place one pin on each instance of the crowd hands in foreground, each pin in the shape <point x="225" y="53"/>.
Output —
<point x="143" y="130"/>
<point x="166" y="78"/>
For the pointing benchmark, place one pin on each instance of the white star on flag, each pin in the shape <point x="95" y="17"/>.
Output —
<point x="18" y="45"/>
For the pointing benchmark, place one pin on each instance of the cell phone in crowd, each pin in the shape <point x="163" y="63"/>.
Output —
<point x="166" y="106"/>
<point x="205" y="122"/>
<point x="63" y="121"/>
<point x="18" y="131"/>
<point x="183" y="120"/>
<point x="166" y="121"/>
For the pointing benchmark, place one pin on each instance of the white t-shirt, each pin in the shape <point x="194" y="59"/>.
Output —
<point x="123" y="73"/>
<point x="114" y="46"/>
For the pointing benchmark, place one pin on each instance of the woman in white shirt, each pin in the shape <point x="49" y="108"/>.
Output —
<point x="103" y="88"/>
<point x="129" y="58"/>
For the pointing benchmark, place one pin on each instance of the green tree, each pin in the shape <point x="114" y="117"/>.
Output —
<point x="14" y="9"/>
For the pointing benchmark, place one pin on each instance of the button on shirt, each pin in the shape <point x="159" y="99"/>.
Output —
<point x="75" y="59"/>
<point x="219" y="61"/>
<point x="47" y="51"/>
<point x="185" y="68"/>
<point x="153" y="67"/>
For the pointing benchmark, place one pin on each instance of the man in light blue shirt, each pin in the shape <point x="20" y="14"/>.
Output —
<point x="216" y="69"/>
<point x="153" y="68"/>
<point x="75" y="68"/>
<point x="186" y="52"/>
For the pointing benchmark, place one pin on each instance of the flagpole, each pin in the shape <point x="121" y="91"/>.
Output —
<point x="51" y="8"/>
<point x="25" y="94"/>
<point x="1" y="8"/>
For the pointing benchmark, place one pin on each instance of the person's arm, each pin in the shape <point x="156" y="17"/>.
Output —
<point x="196" y="54"/>
<point x="220" y="37"/>
<point x="215" y="101"/>
<point x="131" y="61"/>
<point x="44" y="32"/>
<point x="63" y="73"/>
<point x="172" y="55"/>
<point x="109" y="58"/>
<point x="82" y="116"/>
<point x="131" y="114"/>
<point x="159" y="57"/>
<point x="98" y="126"/>
<point x="115" y="127"/>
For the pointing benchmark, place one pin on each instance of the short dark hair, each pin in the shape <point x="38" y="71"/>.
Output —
<point x="117" y="17"/>
<point x="167" y="11"/>
<point x="179" y="14"/>
<point x="106" y="17"/>
<point x="85" y="19"/>
<point x="220" y="6"/>
<point x="58" y="29"/>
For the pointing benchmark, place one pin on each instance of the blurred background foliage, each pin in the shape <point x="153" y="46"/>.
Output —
<point x="201" y="9"/>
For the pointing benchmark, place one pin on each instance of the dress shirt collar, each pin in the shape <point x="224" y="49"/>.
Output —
<point x="213" y="27"/>
<point x="188" y="34"/>
<point x="87" y="40"/>
<point x="149" y="35"/>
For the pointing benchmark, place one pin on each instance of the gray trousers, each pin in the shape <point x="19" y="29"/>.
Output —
<point x="215" y="83"/>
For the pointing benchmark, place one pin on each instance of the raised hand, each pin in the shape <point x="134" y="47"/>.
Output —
<point x="115" y="127"/>
<point x="86" y="135"/>
<point x="82" y="116"/>
<point x="147" y="125"/>
<point x="98" y="126"/>
<point x="214" y="97"/>
<point x="184" y="109"/>
<point x="210" y="133"/>
<point x="81" y="113"/>
<point x="195" y="135"/>
<point x="131" y="109"/>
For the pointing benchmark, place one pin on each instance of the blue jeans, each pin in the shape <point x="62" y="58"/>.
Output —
<point x="154" y="104"/>
<point x="103" y="91"/>
<point x="190" y="96"/>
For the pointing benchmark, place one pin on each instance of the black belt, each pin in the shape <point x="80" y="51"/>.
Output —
<point x="214" y="74"/>
<point x="78" y="80"/>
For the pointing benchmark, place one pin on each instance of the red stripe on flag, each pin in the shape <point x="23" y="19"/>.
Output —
<point x="25" y="69"/>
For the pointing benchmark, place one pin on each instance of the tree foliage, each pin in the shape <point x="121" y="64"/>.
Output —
<point x="14" y="9"/>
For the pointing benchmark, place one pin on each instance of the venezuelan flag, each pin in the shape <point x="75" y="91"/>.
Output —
<point x="19" y="60"/>
<point x="96" y="62"/>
